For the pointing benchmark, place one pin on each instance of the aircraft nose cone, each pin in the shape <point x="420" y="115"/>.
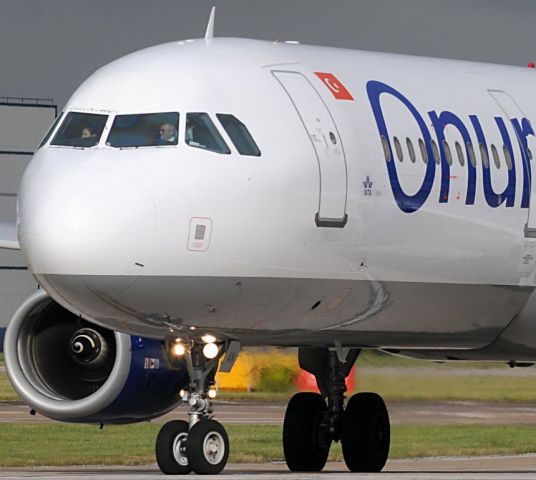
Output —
<point x="86" y="222"/>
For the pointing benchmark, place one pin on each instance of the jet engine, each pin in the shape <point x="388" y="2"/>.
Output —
<point x="71" y="370"/>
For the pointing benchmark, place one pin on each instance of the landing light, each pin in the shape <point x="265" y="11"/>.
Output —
<point x="210" y="350"/>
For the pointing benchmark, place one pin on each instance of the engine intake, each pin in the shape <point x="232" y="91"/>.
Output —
<point x="72" y="370"/>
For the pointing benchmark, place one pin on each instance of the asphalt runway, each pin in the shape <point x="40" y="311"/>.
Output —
<point x="419" y="413"/>
<point x="476" y="468"/>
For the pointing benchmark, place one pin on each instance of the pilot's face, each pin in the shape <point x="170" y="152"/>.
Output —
<point x="167" y="132"/>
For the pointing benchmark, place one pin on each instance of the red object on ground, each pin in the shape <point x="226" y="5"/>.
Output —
<point x="306" y="382"/>
<point x="531" y="65"/>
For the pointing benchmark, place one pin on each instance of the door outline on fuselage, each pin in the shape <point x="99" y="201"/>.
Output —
<point x="320" y="221"/>
<point x="512" y="109"/>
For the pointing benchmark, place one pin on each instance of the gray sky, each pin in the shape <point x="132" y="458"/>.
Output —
<point x="48" y="47"/>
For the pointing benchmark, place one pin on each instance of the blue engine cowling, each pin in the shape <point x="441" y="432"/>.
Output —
<point x="71" y="370"/>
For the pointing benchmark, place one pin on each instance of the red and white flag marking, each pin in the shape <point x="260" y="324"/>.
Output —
<point x="334" y="85"/>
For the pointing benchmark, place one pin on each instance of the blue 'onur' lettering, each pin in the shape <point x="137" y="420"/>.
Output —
<point x="411" y="203"/>
<point x="511" y="187"/>
<point x="439" y="123"/>
<point x="523" y="130"/>
<point x="493" y="199"/>
<point x="407" y="203"/>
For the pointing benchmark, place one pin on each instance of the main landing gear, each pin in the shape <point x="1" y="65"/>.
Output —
<point x="200" y="445"/>
<point x="313" y="421"/>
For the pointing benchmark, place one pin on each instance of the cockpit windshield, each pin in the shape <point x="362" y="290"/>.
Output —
<point x="144" y="130"/>
<point x="80" y="130"/>
<point x="239" y="135"/>
<point x="201" y="133"/>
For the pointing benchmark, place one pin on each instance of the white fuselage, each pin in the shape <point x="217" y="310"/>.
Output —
<point x="400" y="254"/>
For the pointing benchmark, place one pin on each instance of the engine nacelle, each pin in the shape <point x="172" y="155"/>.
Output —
<point x="71" y="370"/>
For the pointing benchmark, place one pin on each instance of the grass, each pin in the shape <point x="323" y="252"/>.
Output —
<point x="378" y="359"/>
<point x="397" y="386"/>
<point x="6" y="390"/>
<point x="59" y="444"/>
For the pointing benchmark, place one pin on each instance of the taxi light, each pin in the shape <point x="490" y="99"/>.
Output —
<point x="210" y="350"/>
<point x="178" y="349"/>
<point x="208" y="338"/>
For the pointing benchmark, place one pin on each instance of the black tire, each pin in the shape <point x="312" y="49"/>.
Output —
<point x="207" y="435"/>
<point x="171" y="453"/>
<point x="305" y="444"/>
<point x="366" y="433"/>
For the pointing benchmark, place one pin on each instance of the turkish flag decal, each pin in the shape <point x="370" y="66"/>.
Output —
<point x="334" y="85"/>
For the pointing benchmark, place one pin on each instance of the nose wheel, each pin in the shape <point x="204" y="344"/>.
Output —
<point x="170" y="449"/>
<point x="208" y="447"/>
<point x="200" y="445"/>
<point x="203" y="449"/>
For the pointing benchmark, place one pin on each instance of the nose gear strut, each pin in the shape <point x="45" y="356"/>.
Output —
<point x="201" y="444"/>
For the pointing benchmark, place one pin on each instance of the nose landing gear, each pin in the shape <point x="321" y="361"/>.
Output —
<point x="312" y="424"/>
<point x="201" y="444"/>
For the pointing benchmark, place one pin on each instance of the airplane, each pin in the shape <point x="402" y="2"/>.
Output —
<point x="204" y="195"/>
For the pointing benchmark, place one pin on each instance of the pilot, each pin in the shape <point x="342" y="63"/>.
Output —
<point x="168" y="134"/>
<point x="87" y="132"/>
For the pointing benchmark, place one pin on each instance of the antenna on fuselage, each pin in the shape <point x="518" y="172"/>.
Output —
<point x="209" y="34"/>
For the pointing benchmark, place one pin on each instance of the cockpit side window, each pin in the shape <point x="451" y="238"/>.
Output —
<point x="80" y="130"/>
<point x="239" y="135"/>
<point x="144" y="130"/>
<point x="51" y="130"/>
<point x="202" y="133"/>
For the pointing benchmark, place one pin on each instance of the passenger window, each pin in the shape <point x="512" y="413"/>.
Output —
<point x="398" y="148"/>
<point x="239" y="135"/>
<point x="435" y="152"/>
<point x="81" y="130"/>
<point x="507" y="157"/>
<point x="459" y="152"/>
<point x="447" y="151"/>
<point x="484" y="155"/>
<point x="495" y="156"/>
<point x="411" y="150"/>
<point x="386" y="149"/>
<point x="424" y="153"/>
<point x="201" y="133"/>
<point x="472" y="156"/>
<point x="144" y="130"/>
<point x="52" y="128"/>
